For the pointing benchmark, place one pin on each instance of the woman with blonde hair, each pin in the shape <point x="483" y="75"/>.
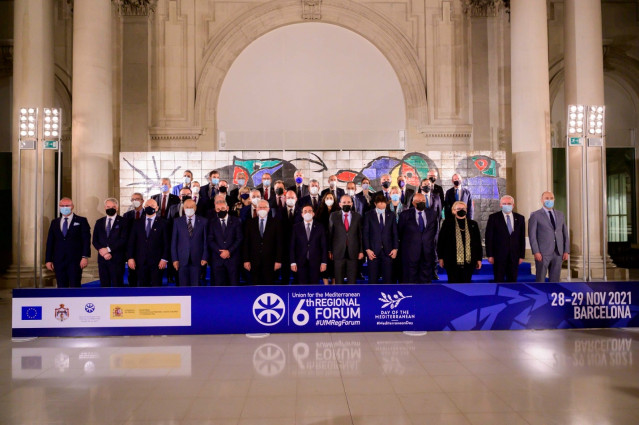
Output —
<point x="459" y="246"/>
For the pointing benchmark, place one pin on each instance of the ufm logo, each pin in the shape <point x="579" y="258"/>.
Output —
<point x="89" y="307"/>
<point x="393" y="301"/>
<point x="268" y="309"/>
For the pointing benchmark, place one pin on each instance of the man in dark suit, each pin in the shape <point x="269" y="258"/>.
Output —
<point x="437" y="189"/>
<point x="308" y="252"/>
<point x="417" y="232"/>
<point x="200" y="207"/>
<point x="345" y="241"/>
<point x="225" y="243"/>
<point x="263" y="246"/>
<point x="433" y="202"/>
<point x="266" y="188"/>
<point x="165" y="199"/>
<point x="131" y="216"/>
<point x="300" y="189"/>
<point x="149" y="246"/>
<point x="189" y="250"/>
<point x="279" y="200"/>
<point x="224" y="190"/>
<point x="385" y="181"/>
<point x="380" y="241"/>
<point x="365" y="196"/>
<point x="110" y="237"/>
<point x="549" y="239"/>
<point x="314" y="198"/>
<point x="288" y="217"/>
<point x="68" y="246"/>
<point x="406" y="193"/>
<point x="337" y="192"/>
<point x="242" y="181"/>
<point x="177" y="210"/>
<point x="209" y="191"/>
<point x="458" y="193"/>
<point x="506" y="241"/>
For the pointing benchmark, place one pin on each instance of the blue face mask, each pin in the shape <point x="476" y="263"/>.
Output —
<point x="395" y="197"/>
<point x="549" y="203"/>
<point x="215" y="181"/>
<point x="165" y="188"/>
<point x="241" y="182"/>
<point x="266" y="182"/>
<point x="299" y="180"/>
<point x="365" y="186"/>
<point x="378" y="211"/>
<point x="507" y="209"/>
<point x="65" y="210"/>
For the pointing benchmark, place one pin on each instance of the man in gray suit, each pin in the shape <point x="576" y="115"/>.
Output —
<point x="549" y="239"/>
<point x="345" y="240"/>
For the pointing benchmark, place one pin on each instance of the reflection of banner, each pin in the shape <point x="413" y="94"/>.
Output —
<point x="345" y="308"/>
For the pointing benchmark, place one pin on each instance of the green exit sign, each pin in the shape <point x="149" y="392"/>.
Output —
<point x="51" y="144"/>
<point x="576" y="141"/>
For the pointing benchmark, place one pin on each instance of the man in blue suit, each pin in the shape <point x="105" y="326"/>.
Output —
<point x="380" y="241"/>
<point x="549" y="239"/>
<point x="110" y="237"/>
<point x="189" y="250"/>
<point x="225" y="242"/>
<point x="506" y="241"/>
<point x="458" y="193"/>
<point x="68" y="246"/>
<point x="308" y="251"/>
<point x="149" y="246"/>
<point x="417" y="232"/>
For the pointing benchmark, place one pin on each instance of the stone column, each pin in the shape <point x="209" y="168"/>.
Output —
<point x="33" y="86"/>
<point x="530" y="103"/>
<point x="92" y="126"/>
<point x="584" y="85"/>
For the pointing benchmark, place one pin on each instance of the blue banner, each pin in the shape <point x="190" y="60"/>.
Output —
<point x="345" y="308"/>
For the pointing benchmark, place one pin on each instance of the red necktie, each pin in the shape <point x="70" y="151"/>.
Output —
<point x="137" y="215"/>
<point x="266" y="194"/>
<point x="346" y="222"/>
<point x="254" y="213"/>
<point x="162" y="213"/>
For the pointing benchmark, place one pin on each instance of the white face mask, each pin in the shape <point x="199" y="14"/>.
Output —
<point x="255" y="201"/>
<point x="262" y="213"/>
<point x="332" y="184"/>
<point x="314" y="190"/>
<point x="189" y="212"/>
<point x="350" y="192"/>
<point x="290" y="202"/>
<point x="195" y="190"/>
<point x="329" y="202"/>
<point x="187" y="180"/>
<point x="308" y="217"/>
<point x="136" y="204"/>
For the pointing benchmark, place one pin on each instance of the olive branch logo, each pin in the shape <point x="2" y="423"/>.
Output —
<point x="393" y="300"/>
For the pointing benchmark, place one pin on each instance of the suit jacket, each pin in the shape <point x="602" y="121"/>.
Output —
<point x="117" y="239"/>
<point x="381" y="192"/>
<point x="233" y="194"/>
<point x="339" y="239"/>
<point x="302" y="247"/>
<point x="500" y="243"/>
<point x="465" y="196"/>
<point x="204" y="196"/>
<point x="308" y="200"/>
<point x="416" y="245"/>
<point x="304" y="190"/>
<point x="408" y="196"/>
<point x="74" y="246"/>
<point x="435" y="204"/>
<point x="231" y="239"/>
<point x="380" y="242"/>
<point x="447" y="243"/>
<point x="262" y="249"/>
<point x="271" y="193"/>
<point x="362" y="206"/>
<point x="175" y="190"/>
<point x="542" y="236"/>
<point x="340" y="193"/>
<point x="129" y="216"/>
<point x="200" y="207"/>
<point x="171" y="200"/>
<point x="185" y="247"/>
<point x="152" y="249"/>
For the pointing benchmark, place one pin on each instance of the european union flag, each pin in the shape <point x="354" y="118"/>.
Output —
<point x="32" y="312"/>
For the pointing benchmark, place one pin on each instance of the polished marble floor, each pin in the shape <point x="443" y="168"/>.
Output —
<point x="521" y="377"/>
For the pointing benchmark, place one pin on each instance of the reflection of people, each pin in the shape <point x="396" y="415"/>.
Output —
<point x="459" y="245"/>
<point x="549" y="240"/>
<point x="188" y="245"/>
<point x="308" y="248"/>
<point x="225" y="242"/>
<point x="110" y="236"/>
<point x="458" y="193"/>
<point x="68" y="246"/>
<point x="506" y="241"/>
<point x="417" y="232"/>
<point x="262" y="246"/>
<point x="380" y="241"/>
<point x="345" y="241"/>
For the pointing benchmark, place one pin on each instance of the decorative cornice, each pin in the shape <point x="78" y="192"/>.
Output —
<point x="135" y="7"/>
<point x="485" y="8"/>
<point x="448" y="132"/>
<point x="312" y="9"/>
<point x="165" y="133"/>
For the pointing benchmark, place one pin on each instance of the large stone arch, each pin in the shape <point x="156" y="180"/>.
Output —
<point x="224" y="48"/>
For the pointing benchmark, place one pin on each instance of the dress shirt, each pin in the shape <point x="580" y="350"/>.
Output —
<point x="70" y="219"/>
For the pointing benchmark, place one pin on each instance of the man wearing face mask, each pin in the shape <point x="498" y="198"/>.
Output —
<point x="242" y="181"/>
<point x="136" y="213"/>
<point x="345" y="241"/>
<point x="210" y="190"/>
<point x="189" y="249"/>
<point x="68" y="246"/>
<point x="357" y="205"/>
<point x="459" y="245"/>
<point x="224" y="190"/>
<point x="417" y="232"/>
<point x="300" y="189"/>
<point x="149" y="247"/>
<point x="337" y="192"/>
<point x="385" y="181"/>
<point x="437" y="189"/>
<point x="110" y="237"/>
<point x="165" y="199"/>
<point x="266" y="188"/>
<point x="433" y="202"/>
<point x="549" y="239"/>
<point x="313" y="198"/>
<point x="225" y="242"/>
<point x="196" y="195"/>
<point x="177" y="210"/>
<point x="506" y="241"/>
<point x="187" y="178"/>
<point x="279" y="200"/>
<point x="288" y="216"/>
<point x="256" y="197"/>
<point x="308" y="249"/>
<point x="406" y="193"/>
<point x="458" y="193"/>
<point x="364" y="197"/>
<point x="262" y="247"/>
<point x="380" y="241"/>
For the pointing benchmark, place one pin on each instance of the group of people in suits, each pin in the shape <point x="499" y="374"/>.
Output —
<point x="274" y="234"/>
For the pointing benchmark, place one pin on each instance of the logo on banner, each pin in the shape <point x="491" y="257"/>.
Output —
<point x="268" y="309"/>
<point x="393" y="301"/>
<point x="391" y="313"/>
<point x="117" y="311"/>
<point x="89" y="307"/>
<point x="32" y="312"/>
<point x="62" y="313"/>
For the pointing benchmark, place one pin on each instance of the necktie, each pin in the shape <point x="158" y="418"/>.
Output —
<point x="65" y="226"/>
<point x="403" y="197"/>
<point x="189" y="227"/>
<point x="308" y="231"/>
<point x="509" y="224"/>
<point x="290" y="214"/>
<point x="381" y="222"/>
<point x="254" y="213"/>
<point x="261" y="227"/>
<point x="299" y="192"/>
<point x="386" y="194"/>
<point x="346" y="222"/>
<point x="223" y="223"/>
<point x="148" y="227"/>
<point x="314" y="203"/>
<point x="195" y="199"/>
<point x="266" y="191"/>
<point x="552" y="220"/>
<point x="210" y="190"/>
<point x="422" y="225"/>
<point x="137" y="215"/>
<point x="428" y="202"/>
<point x="456" y="194"/>
<point x="108" y="228"/>
<point x="162" y="213"/>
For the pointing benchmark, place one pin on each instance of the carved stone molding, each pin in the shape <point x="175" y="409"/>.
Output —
<point x="445" y="131"/>
<point x="485" y="8"/>
<point x="135" y="7"/>
<point x="167" y="133"/>
<point x="312" y="9"/>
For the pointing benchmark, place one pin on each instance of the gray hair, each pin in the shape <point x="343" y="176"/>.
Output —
<point x="115" y="201"/>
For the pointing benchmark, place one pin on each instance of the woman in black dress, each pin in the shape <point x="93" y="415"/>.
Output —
<point x="326" y="207"/>
<point x="459" y="246"/>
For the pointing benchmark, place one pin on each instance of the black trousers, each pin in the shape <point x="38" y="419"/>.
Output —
<point x="225" y="273"/>
<point x="460" y="274"/>
<point x="419" y="271"/>
<point x="189" y="274"/>
<point x="262" y="273"/>
<point x="307" y="273"/>
<point x="382" y="266"/>
<point x="149" y="275"/>
<point x="346" y="268"/>
<point x="68" y="274"/>
<point x="506" y="270"/>
<point x="111" y="272"/>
